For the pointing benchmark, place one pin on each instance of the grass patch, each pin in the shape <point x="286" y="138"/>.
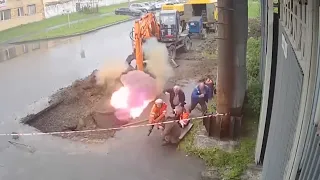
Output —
<point x="254" y="9"/>
<point x="80" y="27"/>
<point x="232" y="165"/>
<point x="54" y="21"/>
<point x="40" y="26"/>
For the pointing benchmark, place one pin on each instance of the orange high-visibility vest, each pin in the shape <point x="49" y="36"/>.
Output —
<point x="156" y="112"/>
<point x="184" y="118"/>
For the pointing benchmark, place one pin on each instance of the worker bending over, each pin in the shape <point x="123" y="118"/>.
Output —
<point x="200" y="95"/>
<point x="182" y="115"/>
<point x="177" y="97"/>
<point x="157" y="114"/>
<point x="172" y="131"/>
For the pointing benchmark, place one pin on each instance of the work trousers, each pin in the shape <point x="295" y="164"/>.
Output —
<point x="202" y="103"/>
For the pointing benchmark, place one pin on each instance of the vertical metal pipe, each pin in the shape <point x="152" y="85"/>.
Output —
<point x="225" y="64"/>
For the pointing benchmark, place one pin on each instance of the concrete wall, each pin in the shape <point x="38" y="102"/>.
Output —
<point x="58" y="7"/>
<point x="53" y="9"/>
<point x="25" y="18"/>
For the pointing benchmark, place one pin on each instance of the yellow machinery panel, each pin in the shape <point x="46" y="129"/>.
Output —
<point x="201" y="1"/>
<point x="177" y="7"/>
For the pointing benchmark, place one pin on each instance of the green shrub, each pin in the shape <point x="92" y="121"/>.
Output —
<point x="254" y="27"/>
<point x="254" y="86"/>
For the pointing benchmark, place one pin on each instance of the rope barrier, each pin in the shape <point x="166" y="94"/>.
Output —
<point x="106" y="129"/>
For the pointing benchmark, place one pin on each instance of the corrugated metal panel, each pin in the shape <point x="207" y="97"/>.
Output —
<point x="309" y="167"/>
<point x="284" y="117"/>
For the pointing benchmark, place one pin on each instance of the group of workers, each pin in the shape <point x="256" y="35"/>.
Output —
<point x="201" y="94"/>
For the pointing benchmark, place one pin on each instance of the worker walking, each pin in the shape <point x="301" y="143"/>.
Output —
<point x="200" y="95"/>
<point x="177" y="97"/>
<point x="157" y="114"/>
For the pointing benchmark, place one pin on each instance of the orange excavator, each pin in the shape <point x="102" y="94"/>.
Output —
<point x="167" y="30"/>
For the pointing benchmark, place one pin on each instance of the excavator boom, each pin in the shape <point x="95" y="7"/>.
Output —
<point x="166" y="30"/>
<point x="144" y="28"/>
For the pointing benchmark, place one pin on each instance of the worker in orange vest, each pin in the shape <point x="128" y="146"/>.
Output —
<point x="182" y="115"/>
<point x="157" y="114"/>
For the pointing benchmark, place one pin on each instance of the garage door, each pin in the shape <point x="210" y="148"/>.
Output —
<point x="285" y="112"/>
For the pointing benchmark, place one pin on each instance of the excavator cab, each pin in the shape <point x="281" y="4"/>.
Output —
<point x="169" y="25"/>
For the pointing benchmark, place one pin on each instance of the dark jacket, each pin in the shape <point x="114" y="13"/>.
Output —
<point x="196" y="92"/>
<point x="212" y="88"/>
<point x="181" y="95"/>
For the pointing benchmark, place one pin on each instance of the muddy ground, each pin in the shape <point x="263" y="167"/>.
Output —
<point x="79" y="100"/>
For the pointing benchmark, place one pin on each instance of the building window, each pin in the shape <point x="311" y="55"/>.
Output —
<point x="20" y="11"/>
<point x="5" y="14"/>
<point x="31" y="9"/>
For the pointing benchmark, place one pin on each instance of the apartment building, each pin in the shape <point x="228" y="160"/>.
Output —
<point x="16" y="12"/>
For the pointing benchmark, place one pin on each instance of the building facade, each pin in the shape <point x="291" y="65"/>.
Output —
<point x="288" y="141"/>
<point x="16" y="12"/>
<point x="58" y="7"/>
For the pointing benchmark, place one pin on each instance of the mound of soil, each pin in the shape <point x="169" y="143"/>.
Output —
<point x="200" y="62"/>
<point x="80" y="101"/>
<point x="75" y="112"/>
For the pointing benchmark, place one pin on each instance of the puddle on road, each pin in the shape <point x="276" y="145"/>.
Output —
<point x="11" y="51"/>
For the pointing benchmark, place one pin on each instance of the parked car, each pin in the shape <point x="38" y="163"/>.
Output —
<point x="128" y="11"/>
<point x="150" y="4"/>
<point x="158" y="4"/>
<point x="141" y="6"/>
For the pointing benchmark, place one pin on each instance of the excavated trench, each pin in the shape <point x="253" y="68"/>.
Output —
<point x="80" y="107"/>
<point x="85" y="105"/>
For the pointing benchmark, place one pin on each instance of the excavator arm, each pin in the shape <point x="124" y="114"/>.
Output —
<point x="144" y="28"/>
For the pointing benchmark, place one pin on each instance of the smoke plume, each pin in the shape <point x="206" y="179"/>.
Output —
<point x="139" y="87"/>
<point x="107" y="75"/>
<point x="158" y="62"/>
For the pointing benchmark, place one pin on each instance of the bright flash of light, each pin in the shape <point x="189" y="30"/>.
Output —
<point x="136" y="111"/>
<point x="119" y="99"/>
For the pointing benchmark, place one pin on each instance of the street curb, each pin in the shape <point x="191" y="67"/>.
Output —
<point x="30" y="117"/>
<point x="77" y="34"/>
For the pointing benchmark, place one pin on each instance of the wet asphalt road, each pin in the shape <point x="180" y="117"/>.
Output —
<point x="130" y="155"/>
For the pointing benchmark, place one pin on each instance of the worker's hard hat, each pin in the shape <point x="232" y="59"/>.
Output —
<point x="158" y="101"/>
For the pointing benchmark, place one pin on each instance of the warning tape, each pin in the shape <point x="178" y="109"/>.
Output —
<point x="107" y="129"/>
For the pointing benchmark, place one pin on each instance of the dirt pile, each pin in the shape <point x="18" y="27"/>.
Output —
<point x="75" y="112"/>
<point x="201" y="49"/>
<point x="82" y="100"/>
<point x="200" y="62"/>
<point x="209" y="45"/>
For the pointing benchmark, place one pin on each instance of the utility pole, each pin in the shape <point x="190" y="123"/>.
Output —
<point x="226" y="58"/>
